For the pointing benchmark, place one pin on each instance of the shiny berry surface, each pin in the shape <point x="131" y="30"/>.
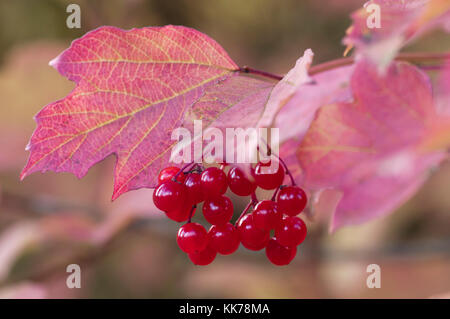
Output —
<point x="291" y="200"/>
<point x="204" y="257"/>
<point x="181" y="214"/>
<point x="214" y="182"/>
<point x="266" y="215"/>
<point x="291" y="231"/>
<point x="239" y="183"/>
<point x="194" y="190"/>
<point x="169" y="196"/>
<point x="280" y="255"/>
<point x="167" y="173"/>
<point x="252" y="237"/>
<point x="192" y="238"/>
<point x="218" y="210"/>
<point x="269" y="175"/>
<point x="224" y="238"/>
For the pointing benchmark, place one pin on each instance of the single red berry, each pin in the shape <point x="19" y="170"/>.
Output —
<point x="269" y="175"/>
<point x="280" y="255"/>
<point x="169" y="196"/>
<point x="239" y="183"/>
<point x="192" y="237"/>
<point x="204" y="257"/>
<point x="291" y="231"/>
<point x="291" y="200"/>
<point x="214" y="182"/>
<point x="266" y="215"/>
<point x="181" y="214"/>
<point x="194" y="188"/>
<point x="224" y="238"/>
<point x="218" y="210"/>
<point x="167" y="173"/>
<point x="252" y="237"/>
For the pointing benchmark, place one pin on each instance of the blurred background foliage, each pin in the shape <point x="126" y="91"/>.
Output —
<point x="125" y="248"/>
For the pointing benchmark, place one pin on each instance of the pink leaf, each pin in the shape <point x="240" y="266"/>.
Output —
<point x="368" y="149"/>
<point x="285" y="89"/>
<point x="329" y="87"/>
<point x="133" y="88"/>
<point x="400" y="23"/>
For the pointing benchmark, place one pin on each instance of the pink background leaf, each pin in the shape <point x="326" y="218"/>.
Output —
<point x="401" y="22"/>
<point x="368" y="149"/>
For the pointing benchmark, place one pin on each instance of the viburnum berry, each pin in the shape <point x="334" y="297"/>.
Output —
<point x="169" y="196"/>
<point x="192" y="237"/>
<point x="218" y="210"/>
<point x="181" y="214"/>
<point x="214" y="182"/>
<point x="167" y="173"/>
<point x="203" y="257"/>
<point x="239" y="183"/>
<point x="278" y="254"/>
<point x="194" y="189"/>
<point x="291" y="231"/>
<point x="268" y="177"/>
<point x="224" y="238"/>
<point x="291" y="200"/>
<point x="252" y="237"/>
<point x="266" y="215"/>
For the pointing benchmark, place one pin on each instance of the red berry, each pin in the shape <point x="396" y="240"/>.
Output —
<point x="181" y="214"/>
<point x="204" y="257"/>
<point x="192" y="237"/>
<point x="239" y="183"/>
<point x="278" y="254"/>
<point x="266" y="215"/>
<point x="169" y="172"/>
<point x="194" y="188"/>
<point x="214" y="182"/>
<point x="169" y="196"/>
<point x="218" y="210"/>
<point x="291" y="200"/>
<point x="268" y="177"/>
<point x="252" y="237"/>
<point x="224" y="238"/>
<point x="291" y="231"/>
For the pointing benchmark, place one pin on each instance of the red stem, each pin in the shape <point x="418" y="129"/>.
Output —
<point x="174" y="178"/>
<point x="254" y="198"/>
<point x="244" y="211"/>
<point x="191" y="213"/>
<point x="275" y="193"/>
<point x="287" y="170"/>
<point x="246" y="69"/>
<point x="415" y="57"/>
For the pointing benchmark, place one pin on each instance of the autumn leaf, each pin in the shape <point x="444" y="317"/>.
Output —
<point x="245" y="102"/>
<point x="283" y="92"/>
<point x="367" y="147"/>
<point x="400" y="23"/>
<point x="133" y="88"/>
<point x="296" y="115"/>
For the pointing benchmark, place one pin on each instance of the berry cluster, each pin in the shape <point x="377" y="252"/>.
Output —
<point x="273" y="224"/>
